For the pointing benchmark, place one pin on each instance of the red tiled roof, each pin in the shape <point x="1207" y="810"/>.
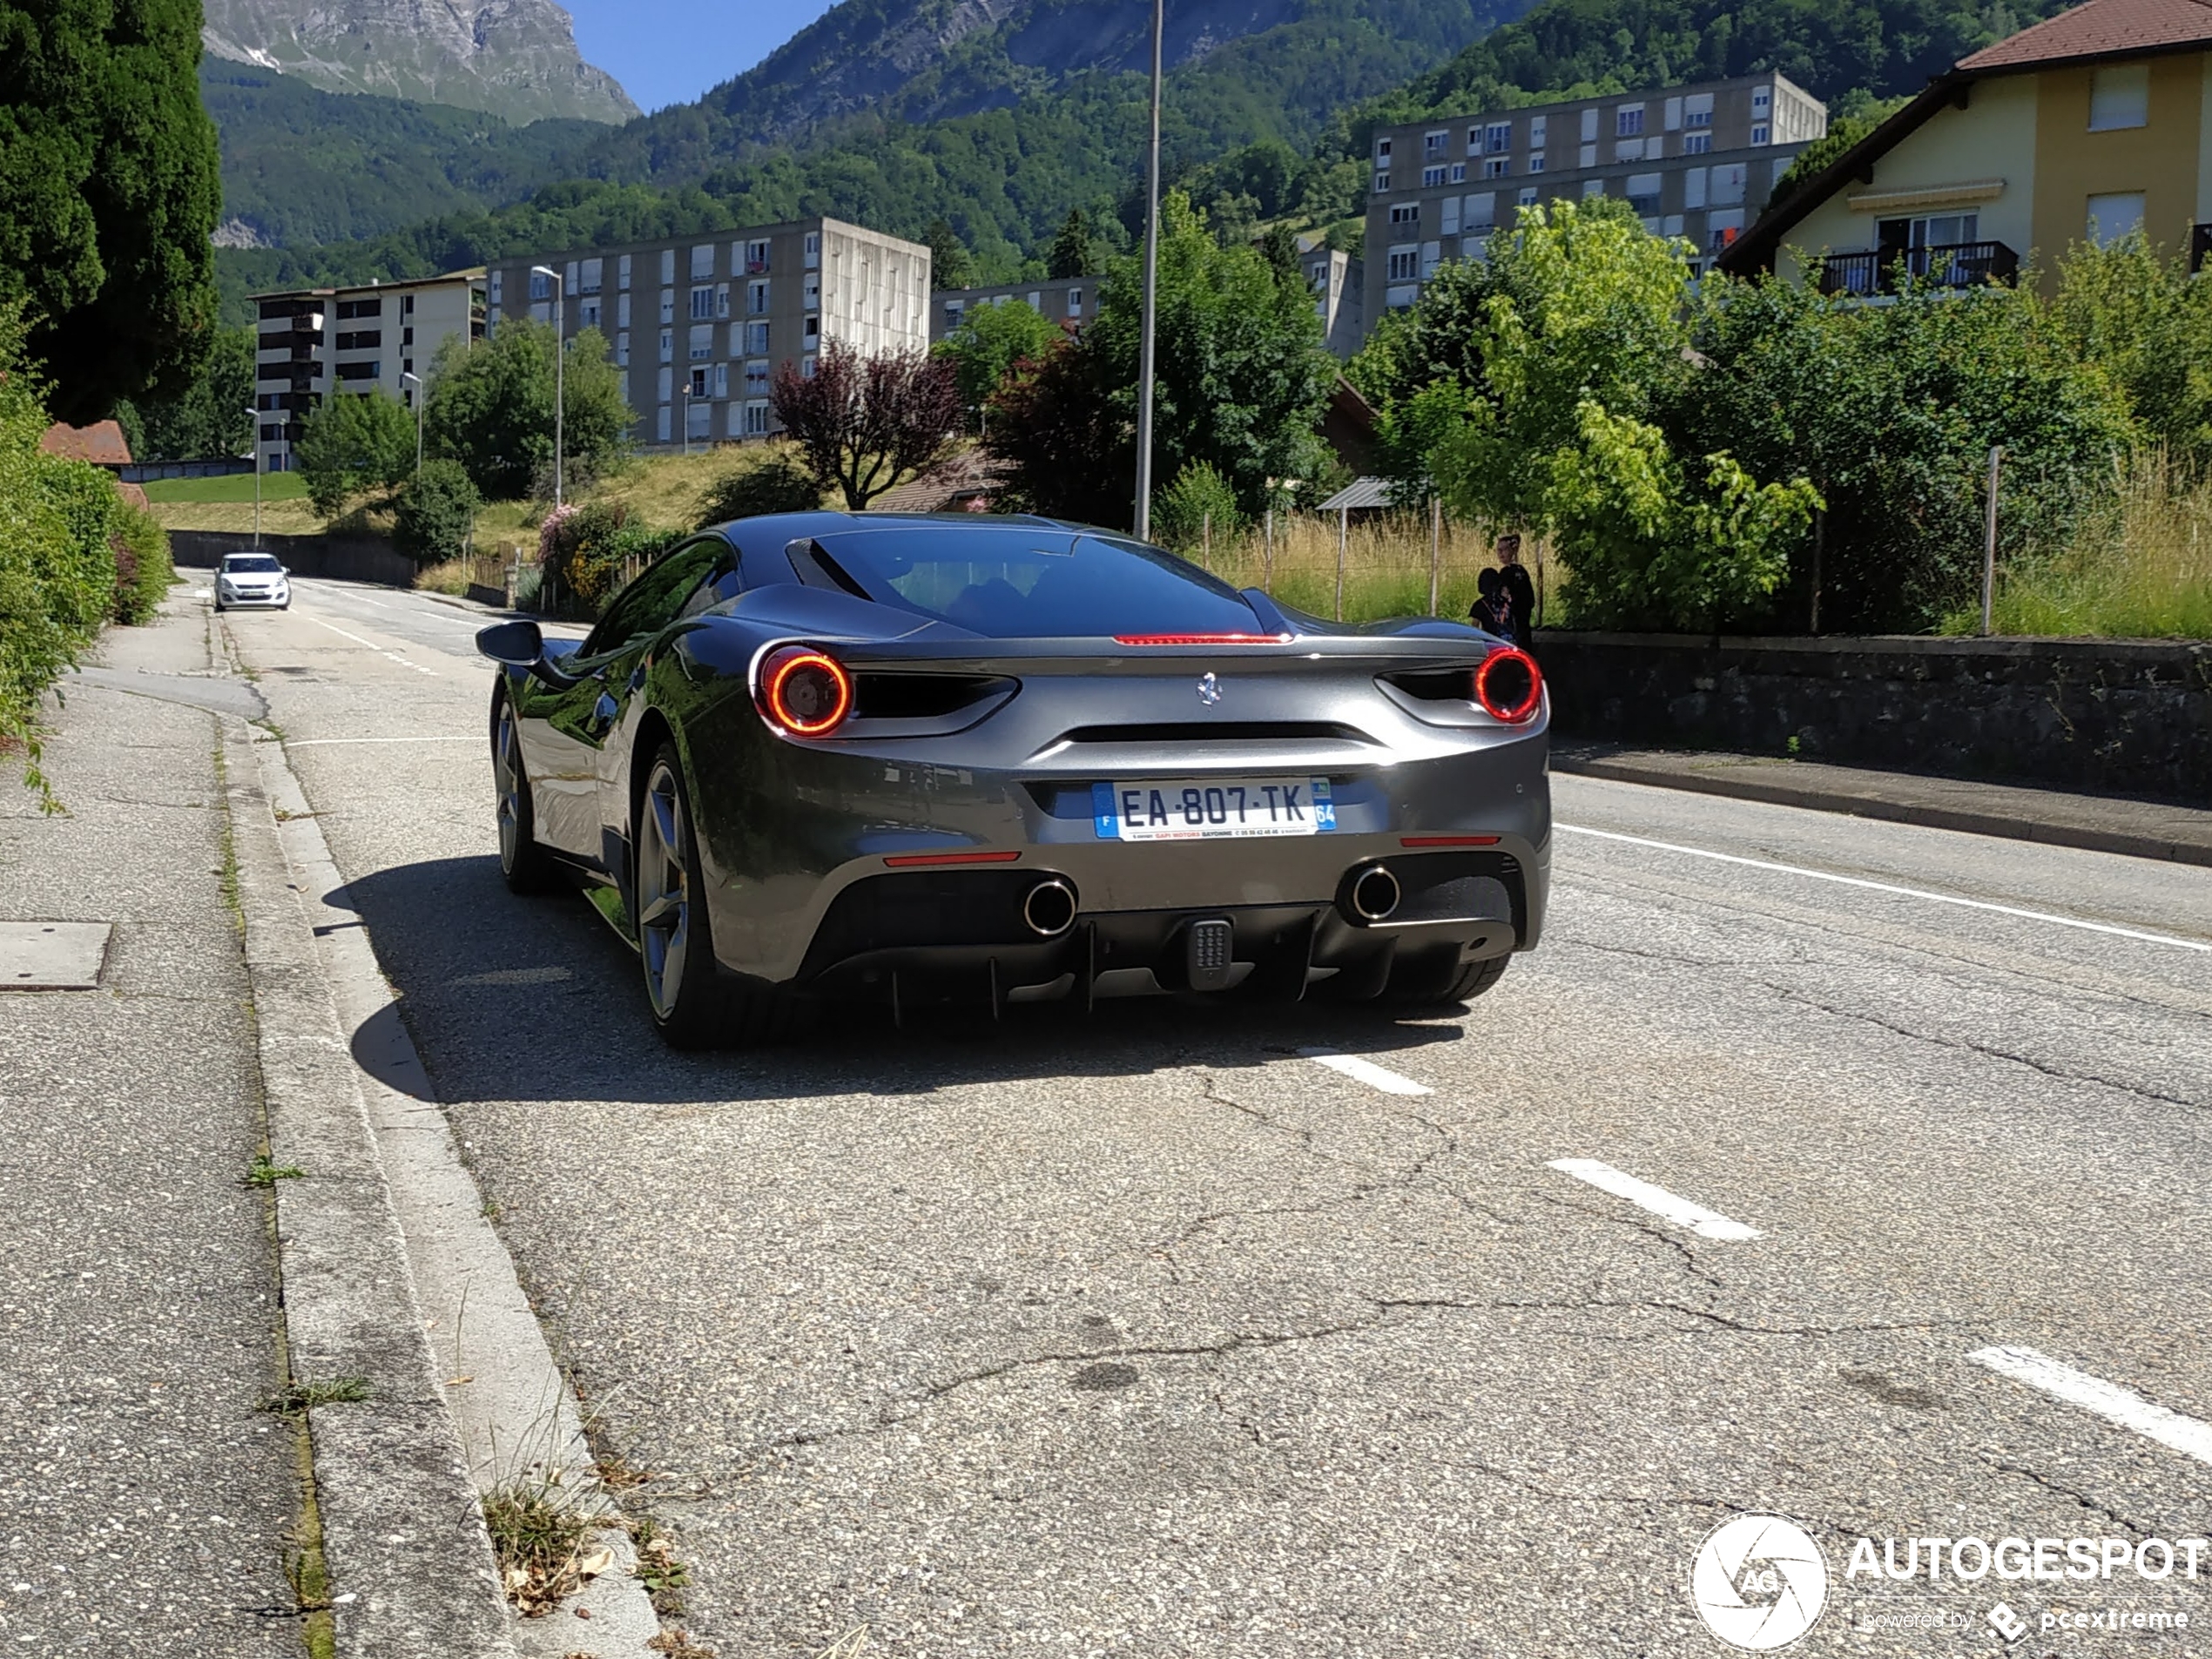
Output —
<point x="102" y="443"/>
<point x="2101" y="29"/>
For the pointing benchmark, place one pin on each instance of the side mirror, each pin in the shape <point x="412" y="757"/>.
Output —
<point x="513" y="644"/>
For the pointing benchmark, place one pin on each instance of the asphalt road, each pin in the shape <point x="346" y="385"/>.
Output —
<point x="1153" y="1335"/>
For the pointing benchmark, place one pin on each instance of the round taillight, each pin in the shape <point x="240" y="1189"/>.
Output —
<point x="806" y="693"/>
<point x="1509" y="685"/>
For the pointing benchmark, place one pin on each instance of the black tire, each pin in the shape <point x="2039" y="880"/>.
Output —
<point x="1429" y="984"/>
<point x="705" y="1009"/>
<point x="526" y="866"/>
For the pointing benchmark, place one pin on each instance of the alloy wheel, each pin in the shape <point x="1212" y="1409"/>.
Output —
<point x="507" y="767"/>
<point x="664" y="889"/>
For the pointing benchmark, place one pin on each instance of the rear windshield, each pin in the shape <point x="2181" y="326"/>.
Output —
<point x="250" y="562"/>
<point x="1015" y="583"/>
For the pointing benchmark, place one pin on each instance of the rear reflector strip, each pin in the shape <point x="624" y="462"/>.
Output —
<point x="908" y="860"/>
<point x="1447" y="840"/>
<point x="1203" y="639"/>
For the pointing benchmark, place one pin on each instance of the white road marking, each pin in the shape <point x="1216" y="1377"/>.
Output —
<point x="373" y="646"/>
<point x="1885" y="886"/>
<point x="1366" y="1071"/>
<point x="2108" y="1400"/>
<point x="312" y="743"/>
<point x="1706" y="1223"/>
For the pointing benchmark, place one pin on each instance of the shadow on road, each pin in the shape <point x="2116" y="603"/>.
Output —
<point x="535" y="998"/>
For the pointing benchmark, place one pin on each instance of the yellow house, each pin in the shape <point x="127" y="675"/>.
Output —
<point x="2082" y="128"/>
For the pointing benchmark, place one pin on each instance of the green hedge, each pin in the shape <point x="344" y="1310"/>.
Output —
<point x="73" y="554"/>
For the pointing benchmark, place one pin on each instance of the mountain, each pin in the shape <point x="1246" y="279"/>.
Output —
<point x="517" y="59"/>
<point x="302" y="165"/>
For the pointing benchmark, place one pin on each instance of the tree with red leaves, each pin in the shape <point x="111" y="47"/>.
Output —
<point x="864" y="423"/>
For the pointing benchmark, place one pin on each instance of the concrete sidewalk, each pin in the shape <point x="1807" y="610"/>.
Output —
<point x="2136" y="828"/>
<point x="151" y="1505"/>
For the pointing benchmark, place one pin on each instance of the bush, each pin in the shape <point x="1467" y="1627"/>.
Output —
<point x="778" y="484"/>
<point x="142" y="572"/>
<point x="578" y="547"/>
<point x="1197" y="503"/>
<point x="437" y="511"/>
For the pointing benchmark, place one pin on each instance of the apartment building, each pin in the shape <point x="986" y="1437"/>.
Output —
<point x="2081" y="128"/>
<point x="1071" y="301"/>
<point x="319" y="342"/>
<point x="1696" y="161"/>
<point x="1334" y="276"/>
<point x="699" y="325"/>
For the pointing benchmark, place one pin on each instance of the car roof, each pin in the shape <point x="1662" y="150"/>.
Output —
<point x="790" y="527"/>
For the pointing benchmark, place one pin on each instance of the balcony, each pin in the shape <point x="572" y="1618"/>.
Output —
<point x="757" y="267"/>
<point x="1950" y="265"/>
<point x="2200" y="247"/>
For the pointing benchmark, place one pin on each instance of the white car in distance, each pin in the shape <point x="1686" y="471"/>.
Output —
<point x="252" y="579"/>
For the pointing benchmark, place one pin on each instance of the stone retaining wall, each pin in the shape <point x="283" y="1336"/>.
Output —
<point x="2121" y="717"/>
<point x="348" y="558"/>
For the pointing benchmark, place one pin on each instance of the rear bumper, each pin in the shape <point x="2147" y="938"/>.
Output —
<point x="823" y="909"/>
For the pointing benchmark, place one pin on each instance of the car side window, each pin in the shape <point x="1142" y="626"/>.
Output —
<point x="651" y="603"/>
<point x="723" y="582"/>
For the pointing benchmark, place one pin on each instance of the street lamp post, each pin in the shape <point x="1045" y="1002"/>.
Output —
<point x="419" y="389"/>
<point x="685" y="391"/>
<point x="560" y="325"/>
<point x="255" y="415"/>
<point x="1144" y="525"/>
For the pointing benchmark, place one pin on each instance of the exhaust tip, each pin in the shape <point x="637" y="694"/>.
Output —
<point x="1049" y="908"/>
<point x="1376" y="894"/>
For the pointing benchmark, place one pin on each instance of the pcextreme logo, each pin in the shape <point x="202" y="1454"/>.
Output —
<point x="1759" y="1582"/>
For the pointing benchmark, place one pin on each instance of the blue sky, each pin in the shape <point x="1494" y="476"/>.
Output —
<point x="665" y="51"/>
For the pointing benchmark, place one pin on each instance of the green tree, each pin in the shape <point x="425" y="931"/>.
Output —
<point x="350" y="445"/>
<point x="1074" y="251"/>
<point x="109" y="194"/>
<point x="2147" y="323"/>
<point x="208" y="418"/>
<point x="990" y="341"/>
<point x="774" y="483"/>
<point x="436" y="512"/>
<point x="951" y="266"/>
<point x="1198" y="504"/>
<point x="490" y="405"/>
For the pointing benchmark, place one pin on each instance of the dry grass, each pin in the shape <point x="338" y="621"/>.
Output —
<point x="2140" y="567"/>
<point x="661" y="491"/>
<point x="1386" y="564"/>
<point x="293" y="518"/>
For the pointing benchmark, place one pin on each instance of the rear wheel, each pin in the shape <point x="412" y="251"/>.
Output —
<point x="525" y="865"/>
<point x="1418" y="984"/>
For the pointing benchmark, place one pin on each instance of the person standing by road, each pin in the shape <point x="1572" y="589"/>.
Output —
<point x="1520" y="592"/>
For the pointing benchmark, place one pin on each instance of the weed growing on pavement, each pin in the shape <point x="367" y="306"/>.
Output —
<point x="678" y="1644"/>
<point x="659" y="1570"/>
<point x="304" y="1395"/>
<point x="538" y="1537"/>
<point x="262" y="1173"/>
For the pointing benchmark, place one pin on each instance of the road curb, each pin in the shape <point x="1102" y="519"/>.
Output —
<point x="1779" y="793"/>
<point x="409" y="1561"/>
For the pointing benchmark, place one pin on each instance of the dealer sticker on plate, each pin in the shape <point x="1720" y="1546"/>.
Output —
<point x="1203" y="809"/>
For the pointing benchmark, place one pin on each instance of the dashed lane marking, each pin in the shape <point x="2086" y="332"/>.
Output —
<point x="403" y="661"/>
<point x="1706" y="1223"/>
<point x="1366" y="1071"/>
<point x="2115" y="1405"/>
<point x="1885" y="886"/>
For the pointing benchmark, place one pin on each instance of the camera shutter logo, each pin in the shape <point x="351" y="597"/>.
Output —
<point x="1759" y="1582"/>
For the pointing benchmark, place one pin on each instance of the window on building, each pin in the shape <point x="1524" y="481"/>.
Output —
<point x="1629" y="150"/>
<point x="955" y="311"/>
<point x="1723" y="228"/>
<point x="1496" y="166"/>
<point x="1382" y="183"/>
<point x="668" y="345"/>
<point x="373" y="371"/>
<point x="1628" y="121"/>
<point x="1482" y="212"/>
<point x="756" y="419"/>
<point x="668" y="304"/>
<point x="1497" y="138"/>
<point x="1762" y="100"/>
<point x="703" y="261"/>
<point x="1644" y="194"/>
<point x="1450" y="216"/>
<point x="1432" y="177"/>
<point x="806" y="368"/>
<point x="667" y="265"/>
<point x="407" y="335"/>
<point x="810" y="330"/>
<point x="666" y="425"/>
<point x="1692" y="188"/>
<point x="622" y="351"/>
<point x="722" y="300"/>
<point x="1589" y="125"/>
<point x="756" y="298"/>
<point x="407" y="306"/>
<point x="702" y="303"/>
<point x="2112" y="216"/>
<point x="1696" y="144"/>
<point x="664" y="384"/>
<point x="755" y="338"/>
<point x="588" y="276"/>
<point x="1074" y="302"/>
<point x="1673" y="115"/>
<point x="1535" y="161"/>
<point x="1727" y="187"/>
<point x="1404" y="212"/>
<point x="621" y="311"/>
<point x="1432" y="256"/>
<point x="1539" y="127"/>
<point x="1594" y="186"/>
<point x="498" y="280"/>
<point x="622" y="273"/>
<point x="1587" y="156"/>
<point x="1433" y="143"/>
<point x="814" y="246"/>
<point x="1459" y="172"/>
<point x="361" y="340"/>
<point x="587" y="314"/>
<point x="1382" y="149"/>
<point x="756" y="259"/>
<point x="1761" y="132"/>
<point x="2119" y="97"/>
<point x="1405" y="264"/>
<point x="722" y="380"/>
<point x="701" y="344"/>
<point x="1527" y="198"/>
<point x="756" y="378"/>
<point x="353" y="308"/>
<point x="1697" y="109"/>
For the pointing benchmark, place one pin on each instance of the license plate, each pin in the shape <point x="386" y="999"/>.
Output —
<point x="1205" y="809"/>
